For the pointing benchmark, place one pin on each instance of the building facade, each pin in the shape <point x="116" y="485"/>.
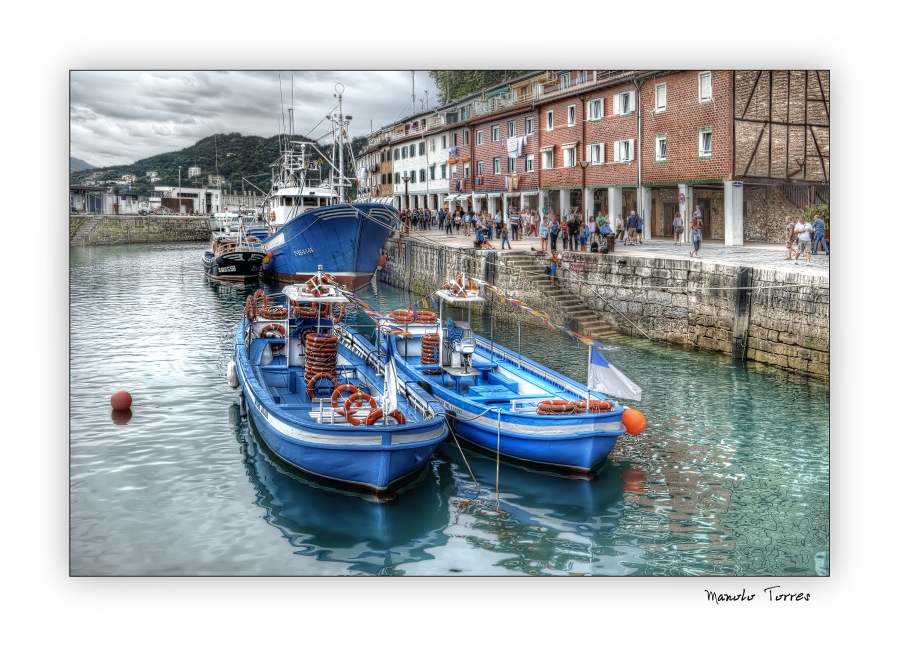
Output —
<point x="743" y="147"/>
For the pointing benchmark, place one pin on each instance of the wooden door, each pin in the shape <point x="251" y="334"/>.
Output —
<point x="669" y="211"/>
<point x="703" y="203"/>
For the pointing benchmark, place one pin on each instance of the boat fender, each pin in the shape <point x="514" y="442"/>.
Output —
<point x="634" y="421"/>
<point x="232" y="374"/>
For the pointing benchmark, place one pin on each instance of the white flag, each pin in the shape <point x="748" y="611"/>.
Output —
<point x="606" y="379"/>
<point x="390" y="387"/>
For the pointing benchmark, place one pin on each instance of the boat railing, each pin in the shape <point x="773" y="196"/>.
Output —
<point x="532" y="368"/>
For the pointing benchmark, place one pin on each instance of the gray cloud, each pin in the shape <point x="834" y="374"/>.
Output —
<point x="118" y="117"/>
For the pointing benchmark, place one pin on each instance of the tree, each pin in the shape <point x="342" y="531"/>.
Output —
<point x="454" y="84"/>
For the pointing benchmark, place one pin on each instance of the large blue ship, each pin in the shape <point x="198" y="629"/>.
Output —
<point x="311" y="224"/>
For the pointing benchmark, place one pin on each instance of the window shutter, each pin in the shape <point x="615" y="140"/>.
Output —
<point x="617" y="151"/>
<point x="617" y="104"/>
<point x="630" y="149"/>
<point x="601" y="150"/>
<point x="631" y="103"/>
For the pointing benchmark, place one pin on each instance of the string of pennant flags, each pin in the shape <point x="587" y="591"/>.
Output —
<point x="458" y="286"/>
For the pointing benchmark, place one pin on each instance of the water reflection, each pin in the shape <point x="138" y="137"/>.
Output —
<point x="373" y="537"/>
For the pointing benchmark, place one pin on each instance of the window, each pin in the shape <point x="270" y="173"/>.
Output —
<point x="511" y="129"/>
<point x="704" y="86"/>
<point x="412" y="177"/>
<point x="443" y="142"/>
<point x="624" y="150"/>
<point x="598" y="153"/>
<point x="396" y="153"/>
<point x="431" y="145"/>
<point x="660" y="95"/>
<point x="571" y="114"/>
<point x="595" y="110"/>
<point x="529" y="125"/>
<point x="495" y="133"/>
<point x="403" y="152"/>
<point x="582" y="77"/>
<point x="547" y="158"/>
<point x="421" y="147"/>
<point x="453" y="139"/>
<point x="421" y="174"/>
<point x="623" y="103"/>
<point x="466" y="170"/>
<point x="464" y="112"/>
<point x="660" y="148"/>
<point x="431" y="170"/>
<point x="529" y="163"/>
<point x="496" y="165"/>
<point x="550" y="120"/>
<point x="443" y="171"/>
<point x="479" y="168"/>
<point x="705" y="142"/>
<point x="466" y="137"/>
<point x="412" y="150"/>
<point x="510" y="164"/>
<point x="479" y="137"/>
<point x="569" y="156"/>
<point x="564" y="81"/>
<point x="452" y="171"/>
<point x="396" y="178"/>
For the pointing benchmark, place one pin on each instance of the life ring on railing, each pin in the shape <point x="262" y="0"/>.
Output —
<point x="250" y="310"/>
<point x="597" y="405"/>
<point x="336" y="395"/>
<point x="339" y="317"/>
<point x="260" y="293"/>
<point x="252" y="239"/>
<point x="311" y="384"/>
<point x="351" y="402"/>
<point x="556" y="407"/>
<point x="426" y="316"/>
<point x="402" y="316"/>
<point x="378" y="413"/>
<point x="272" y="327"/>
<point x="305" y="311"/>
<point x="273" y="312"/>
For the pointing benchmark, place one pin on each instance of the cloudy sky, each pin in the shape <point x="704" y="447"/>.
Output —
<point x="119" y="117"/>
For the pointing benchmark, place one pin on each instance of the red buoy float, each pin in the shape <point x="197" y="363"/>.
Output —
<point x="121" y="400"/>
<point x="634" y="421"/>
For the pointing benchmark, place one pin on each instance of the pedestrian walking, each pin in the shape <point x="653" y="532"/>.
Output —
<point x="696" y="234"/>
<point x="620" y="228"/>
<point x="789" y="237"/>
<point x="630" y="228"/>
<point x="554" y="233"/>
<point x="819" y="235"/>
<point x="678" y="224"/>
<point x="554" y="264"/>
<point x="803" y="231"/>
<point x="544" y="233"/>
<point x="504" y="234"/>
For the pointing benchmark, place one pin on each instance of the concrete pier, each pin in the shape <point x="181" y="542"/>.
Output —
<point x="743" y="301"/>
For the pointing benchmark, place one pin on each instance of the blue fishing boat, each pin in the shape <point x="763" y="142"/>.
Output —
<point x="321" y="398"/>
<point x="310" y="220"/>
<point x="504" y="403"/>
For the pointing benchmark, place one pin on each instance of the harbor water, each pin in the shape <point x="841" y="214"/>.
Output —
<point x="730" y="478"/>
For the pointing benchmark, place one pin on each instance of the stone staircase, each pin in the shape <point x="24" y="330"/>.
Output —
<point x="83" y="233"/>
<point x="578" y="316"/>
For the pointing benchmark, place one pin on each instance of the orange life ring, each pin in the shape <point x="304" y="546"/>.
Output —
<point x="353" y="399"/>
<point x="250" y="310"/>
<point x="340" y="317"/>
<point x="337" y="395"/>
<point x="273" y="312"/>
<point x="378" y="413"/>
<point x="261" y="294"/>
<point x="402" y="316"/>
<point x="426" y="316"/>
<point x="305" y="311"/>
<point x="597" y="405"/>
<point x="556" y="407"/>
<point x="272" y="327"/>
<point x="311" y="384"/>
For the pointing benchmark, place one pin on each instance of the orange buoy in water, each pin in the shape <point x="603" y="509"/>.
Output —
<point x="121" y="417"/>
<point x="634" y="421"/>
<point x="121" y="400"/>
<point x="382" y="261"/>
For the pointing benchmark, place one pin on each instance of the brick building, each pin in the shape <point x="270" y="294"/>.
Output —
<point x="745" y="147"/>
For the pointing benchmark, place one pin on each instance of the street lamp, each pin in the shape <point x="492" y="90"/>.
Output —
<point x="584" y="163"/>
<point x="405" y="179"/>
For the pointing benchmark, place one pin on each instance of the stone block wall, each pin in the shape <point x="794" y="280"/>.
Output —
<point x="110" y="230"/>
<point x="676" y="301"/>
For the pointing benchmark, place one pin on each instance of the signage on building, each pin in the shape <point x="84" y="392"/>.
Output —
<point x="681" y="198"/>
<point x="737" y="184"/>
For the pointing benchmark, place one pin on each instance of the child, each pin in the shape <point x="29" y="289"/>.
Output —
<point x="554" y="262"/>
<point x="584" y="239"/>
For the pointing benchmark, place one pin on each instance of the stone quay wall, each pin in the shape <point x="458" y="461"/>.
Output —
<point x="782" y="320"/>
<point x="128" y="229"/>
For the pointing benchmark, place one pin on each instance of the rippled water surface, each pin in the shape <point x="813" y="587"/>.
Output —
<point x="730" y="478"/>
